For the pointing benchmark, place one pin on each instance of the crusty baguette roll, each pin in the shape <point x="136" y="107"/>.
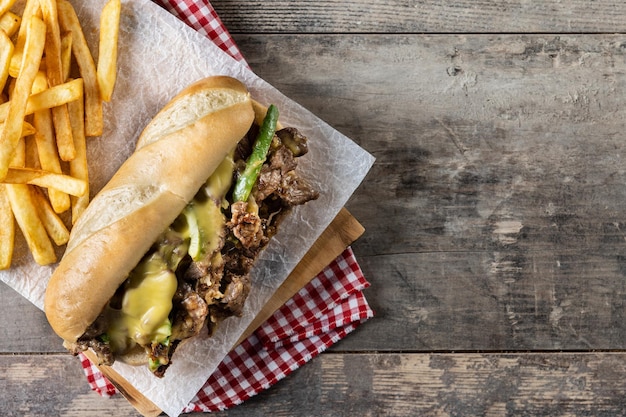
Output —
<point x="175" y="154"/>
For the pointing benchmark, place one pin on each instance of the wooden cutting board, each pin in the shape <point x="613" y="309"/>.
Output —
<point x="342" y="231"/>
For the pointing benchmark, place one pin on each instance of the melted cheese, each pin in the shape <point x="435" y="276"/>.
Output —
<point x="204" y="217"/>
<point x="146" y="305"/>
<point x="205" y="222"/>
<point x="219" y="182"/>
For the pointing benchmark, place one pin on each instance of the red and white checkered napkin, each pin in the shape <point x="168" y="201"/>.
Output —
<point x="320" y="314"/>
<point x="200" y="15"/>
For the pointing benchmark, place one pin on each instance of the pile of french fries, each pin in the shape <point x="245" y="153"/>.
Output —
<point x="51" y="94"/>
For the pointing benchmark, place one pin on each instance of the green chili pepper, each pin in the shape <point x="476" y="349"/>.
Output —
<point x="255" y="161"/>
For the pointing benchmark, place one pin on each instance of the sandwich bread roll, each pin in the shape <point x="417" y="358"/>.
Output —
<point x="175" y="154"/>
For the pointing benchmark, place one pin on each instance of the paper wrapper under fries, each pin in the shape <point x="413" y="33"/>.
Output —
<point x="158" y="55"/>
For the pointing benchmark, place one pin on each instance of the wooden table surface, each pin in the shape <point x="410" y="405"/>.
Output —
<point x="495" y="214"/>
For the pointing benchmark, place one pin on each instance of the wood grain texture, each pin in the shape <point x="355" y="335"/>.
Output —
<point x="52" y="385"/>
<point x="422" y="16"/>
<point x="366" y="384"/>
<point x="494" y="213"/>
<point x="23" y="327"/>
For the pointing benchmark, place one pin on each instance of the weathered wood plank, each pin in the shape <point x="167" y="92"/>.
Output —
<point x="23" y="327"/>
<point x="469" y="131"/>
<point x="470" y="384"/>
<point x="368" y="384"/>
<point x="468" y="127"/>
<point x="422" y="16"/>
<point x="448" y="385"/>
<point x="494" y="214"/>
<point x="491" y="301"/>
<point x="52" y="385"/>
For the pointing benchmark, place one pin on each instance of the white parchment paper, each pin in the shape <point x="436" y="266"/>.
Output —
<point x="158" y="56"/>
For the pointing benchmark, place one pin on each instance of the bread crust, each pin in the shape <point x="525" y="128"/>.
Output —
<point x="144" y="197"/>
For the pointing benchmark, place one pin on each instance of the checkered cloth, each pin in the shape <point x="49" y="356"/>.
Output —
<point x="201" y="16"/>
<point x="320" y="314"/>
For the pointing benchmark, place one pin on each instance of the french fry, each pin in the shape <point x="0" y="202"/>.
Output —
<point x="69" y="22"/>
<point x="51" y="221"/>
<point x="55" y="96"/>
<point x="40" y="83"/>
<point x="31" y="157"/>
<point x="27" y="129"/>
<point x="54" y="71"/>
<point x="48" y="157"/>
<point x="30" y="9"/>
<point x="107" y="51"/>
<point x="65" y="142"/>
<point x="78" y="166"/>
<point x="12" y="131"/>
<point x="10" y="23"/>
<point x="19" y="156"/>
<point x="30" y="224"/>
<point x="10" y="87"/>
<point x="66" y="54"/>
<point x="6" y="52"/>
<point x="5" y="5"/>
<point x="45" y="179"/>
<point x="47" y="99"/>
<point x="46" y="146"/>
<point x="7" y="231"/>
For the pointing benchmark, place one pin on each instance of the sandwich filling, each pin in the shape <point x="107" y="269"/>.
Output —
<point x="197" y="272"/>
